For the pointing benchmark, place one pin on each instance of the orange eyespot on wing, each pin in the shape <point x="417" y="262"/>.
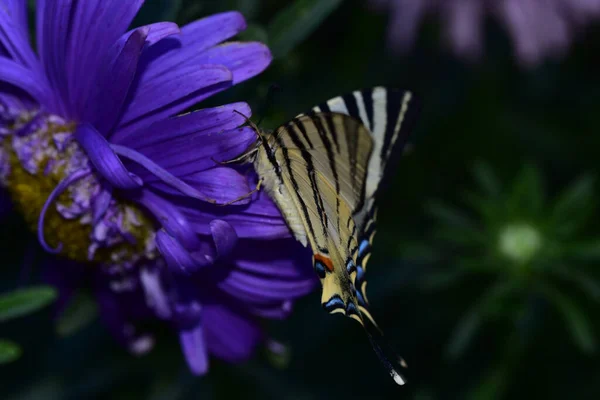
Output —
<point x="325" y="261"/>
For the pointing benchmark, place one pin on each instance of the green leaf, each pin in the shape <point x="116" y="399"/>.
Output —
<point x="443" y="279"/>
<point x="449" y="215"/>
<point x="490" y="387"/>
<point x="80" y="311"/>
<point x="573" y="207"/>
<point x="470" y="323"/>
<point x="25" y="301"/>
<point x="588" y="284"/>
<point x="588" y="250"/>
<point x="9" y="351"/>
<point x="577" y="322"/>
<point x="486" y="179"/>
<point x="527" y="195"/>
<point x="296" y="22"/>
<point x="410" y="250"/>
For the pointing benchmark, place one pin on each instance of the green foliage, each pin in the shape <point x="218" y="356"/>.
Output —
<point x="80" y="311"/>
<point x="21" y="302"/>
<point x="295" y="22"/>
<point x="9" y="351"/>
<point x="532" y="245"/>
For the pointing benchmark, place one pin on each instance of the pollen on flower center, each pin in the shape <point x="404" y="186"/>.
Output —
<point x="38" y="152"/>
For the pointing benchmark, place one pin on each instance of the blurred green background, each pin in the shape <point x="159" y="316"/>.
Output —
<point x="484" y="274"/>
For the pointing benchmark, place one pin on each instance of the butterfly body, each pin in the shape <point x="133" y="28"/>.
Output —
<point x="323" y="169"/>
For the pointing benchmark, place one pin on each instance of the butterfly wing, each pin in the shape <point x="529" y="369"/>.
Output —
<point x="315" y="151"/>
<point x="331" y="161"/>
<point x="389" y="115"/>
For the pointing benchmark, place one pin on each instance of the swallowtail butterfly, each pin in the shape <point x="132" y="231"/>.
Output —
<point x="323" y="170"/>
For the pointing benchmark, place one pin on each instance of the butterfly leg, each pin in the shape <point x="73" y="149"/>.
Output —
<point x="250" y="193"/>
<point x="239" y="159"/>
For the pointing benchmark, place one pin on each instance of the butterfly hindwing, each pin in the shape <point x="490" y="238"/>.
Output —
<point x="324" y="168"/>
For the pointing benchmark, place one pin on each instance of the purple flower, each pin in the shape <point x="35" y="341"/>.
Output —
<point x="538" y="28"/>
<point x="122" y="191"/>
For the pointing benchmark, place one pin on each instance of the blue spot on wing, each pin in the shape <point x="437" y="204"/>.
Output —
<point x="334" y="303"/>
<point x="364" y="245"/>
<point x="320" y="269"/>
<point x="350" y="266"/>
<point x="351" y="309"/>
<point x="361" y="299"/>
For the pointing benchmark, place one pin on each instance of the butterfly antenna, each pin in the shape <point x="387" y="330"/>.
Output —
<point x="268" y="102"/>
<point x="388" y="357"/>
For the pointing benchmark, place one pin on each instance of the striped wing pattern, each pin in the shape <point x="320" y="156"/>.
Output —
<point x="385" y="113"/>
<point x="314" y="150"/>
<point x="332" y="160"/>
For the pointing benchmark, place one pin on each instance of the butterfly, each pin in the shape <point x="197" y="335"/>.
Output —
<point x="323" y="170"/>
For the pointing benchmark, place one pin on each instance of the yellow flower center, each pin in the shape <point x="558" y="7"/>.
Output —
<point x="36" y="161"/>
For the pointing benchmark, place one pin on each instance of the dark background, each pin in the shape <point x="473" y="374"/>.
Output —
<point x="431" y="282"/>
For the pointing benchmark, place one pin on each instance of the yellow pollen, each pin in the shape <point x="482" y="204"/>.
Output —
<point x="29" y="193"/>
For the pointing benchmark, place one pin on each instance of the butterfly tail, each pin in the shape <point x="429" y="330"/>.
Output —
<point x="392" y="362"/>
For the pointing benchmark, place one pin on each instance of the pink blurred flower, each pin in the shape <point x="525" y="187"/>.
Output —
<point x="538" y="28"/>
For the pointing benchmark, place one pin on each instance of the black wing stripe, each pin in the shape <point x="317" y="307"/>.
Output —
<point x="288" y="165"/>
<point x="302" y="129"/>
<point x="324" y="135"/>
<point x="393" y="104"/>
<point x="351" y="106"/>
<point x="310" y="169"/>
<point x="367" y="96"/>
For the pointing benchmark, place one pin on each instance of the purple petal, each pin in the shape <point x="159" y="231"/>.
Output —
<point x="14" y="35"/>
<point x="173" y="92"/>
<point x="261" y="219"/>
<point x="169" y="216"/>
<point x="224" y="237"/>
<point x="177" y="257"/>
<point x="243" y="59"/>
<point x="53" y="23"/>
<point x="21" y="77"/>
<point x="195" y="37"/>
<point x="272" y="311"/>
<point x="119" y="312"/>
<point x="208" y="120"/>
<point x="57" y="191"/>
<point x="229" y="335"/>
<point x="167" y="58"/>
<point x="156" y="298"/>
<point x="104" y="158"/>
<point x="158" y="31"/>
<point x="165" y="176"/>
<point x="95" y="25"/>
<point x="187" y="315"/>
<point x="283" y="259"/>
<point x="14" y="100"/>
<point x="102" y="202"/>
<point x="104" y="107"/>
<point x="17" y="9"/>
<point x="194" y="349"/>
<point x="221" y="184"/>
<point x="253" y="288"/>
<point x="188" y="154"/>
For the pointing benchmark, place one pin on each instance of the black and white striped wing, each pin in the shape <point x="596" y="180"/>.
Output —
<point x="332" y="160"/>
<point x="389" y="115"/>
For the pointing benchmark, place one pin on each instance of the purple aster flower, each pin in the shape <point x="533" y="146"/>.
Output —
<point x="538" y="28"/>
<point x="122" y="190"/>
